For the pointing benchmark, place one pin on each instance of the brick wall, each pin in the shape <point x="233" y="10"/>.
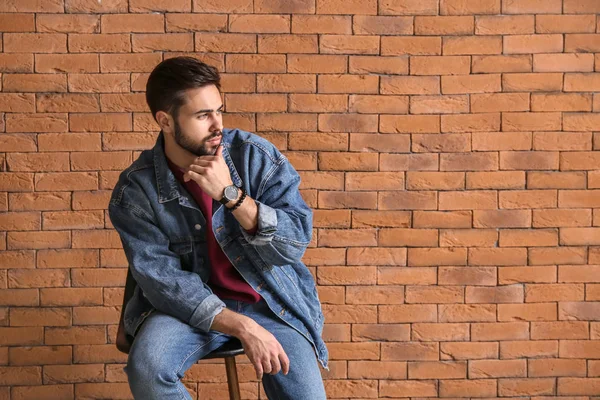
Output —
<point x="447" y="147"/>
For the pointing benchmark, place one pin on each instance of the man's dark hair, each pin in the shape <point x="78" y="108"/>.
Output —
<point x="171" y="78"/>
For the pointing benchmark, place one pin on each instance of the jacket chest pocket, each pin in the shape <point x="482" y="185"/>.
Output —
<point x="191" y="253"/>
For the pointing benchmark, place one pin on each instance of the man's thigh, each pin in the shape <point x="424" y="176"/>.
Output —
<point x="304" y="379"/>
<point x="165" y="345"/>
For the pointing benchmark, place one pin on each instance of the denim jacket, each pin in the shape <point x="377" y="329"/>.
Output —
<point x="164" y="238"/>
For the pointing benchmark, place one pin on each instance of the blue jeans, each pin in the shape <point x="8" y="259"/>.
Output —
<point x="165" y="347"/>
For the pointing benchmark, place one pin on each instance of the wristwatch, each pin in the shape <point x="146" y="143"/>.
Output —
<point x="229" y="193"/>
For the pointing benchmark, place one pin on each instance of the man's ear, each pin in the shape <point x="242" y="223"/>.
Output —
<point x="165" y="121"/>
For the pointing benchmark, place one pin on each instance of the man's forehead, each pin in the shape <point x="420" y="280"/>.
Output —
<point x="205" y="98"/>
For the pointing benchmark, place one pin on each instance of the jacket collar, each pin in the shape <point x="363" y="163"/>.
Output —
<point x="168" y="186"/>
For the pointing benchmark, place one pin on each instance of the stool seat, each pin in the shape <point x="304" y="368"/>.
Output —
<point x="230" y="349"/>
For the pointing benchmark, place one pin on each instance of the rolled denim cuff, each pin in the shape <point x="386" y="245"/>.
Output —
<point x="205" y="313"/>
<point x="267" y="226"/>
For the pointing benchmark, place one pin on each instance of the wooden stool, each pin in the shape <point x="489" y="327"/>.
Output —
<point x="228" y="351"/>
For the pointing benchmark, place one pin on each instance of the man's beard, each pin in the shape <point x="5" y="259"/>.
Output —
<point x="195" y="148"/>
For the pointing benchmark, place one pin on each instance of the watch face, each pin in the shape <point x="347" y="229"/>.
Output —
<point x="231" y="192"/>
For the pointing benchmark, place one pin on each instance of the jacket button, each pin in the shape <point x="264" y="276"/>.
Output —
<point x="197" y="226"/>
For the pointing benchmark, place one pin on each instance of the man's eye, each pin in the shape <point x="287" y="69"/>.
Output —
<point x="202" y="116"/>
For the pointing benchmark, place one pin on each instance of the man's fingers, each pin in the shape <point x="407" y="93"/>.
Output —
<point x="285" y="363"/>
<point x="259" y="370"/>
<point x="219" y="151"/>
<point x="275" y="365"/>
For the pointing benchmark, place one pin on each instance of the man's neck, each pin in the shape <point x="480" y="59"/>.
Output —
<point x="178" y="156"/>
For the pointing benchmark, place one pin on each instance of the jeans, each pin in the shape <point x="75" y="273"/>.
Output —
<point x="165" y="347"/>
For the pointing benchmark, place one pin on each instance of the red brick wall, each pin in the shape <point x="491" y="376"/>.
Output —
<point x="447" y="147"/>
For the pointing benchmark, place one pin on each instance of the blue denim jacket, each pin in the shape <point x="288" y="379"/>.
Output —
<point x="164" y="238"/>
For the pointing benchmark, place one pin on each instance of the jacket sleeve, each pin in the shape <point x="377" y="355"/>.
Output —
<point x="284" y="219"/>
<point x="157" y="270"/>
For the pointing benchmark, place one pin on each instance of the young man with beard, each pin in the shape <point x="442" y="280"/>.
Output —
<point x="214" y="229"/>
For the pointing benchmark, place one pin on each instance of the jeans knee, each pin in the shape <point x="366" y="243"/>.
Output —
<point x="148" y="367"/>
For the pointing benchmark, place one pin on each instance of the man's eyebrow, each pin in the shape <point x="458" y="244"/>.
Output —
<point x="209" y="110"/>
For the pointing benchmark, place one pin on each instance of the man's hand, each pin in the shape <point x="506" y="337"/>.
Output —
<point x="264" y="351"/>
<point x="211" y="173"/>
<point x="261" y="347"/>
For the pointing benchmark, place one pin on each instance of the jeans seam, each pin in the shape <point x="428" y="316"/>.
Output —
<point x="194" y="351"/>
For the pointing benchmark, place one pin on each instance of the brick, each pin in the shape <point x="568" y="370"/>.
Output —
<point x="531" y="7"/>
<point x="35" y="83"/>
<point x="488" y="141"/>
<point x="383" y="25"/>
<point x="99" y="83"/>
<point x="17" y="102"/>
<point x="132" y="23"/>
<point x="71" y="296"/>
<point x="20" y="375"/>
<point x="561" y="218"/>
<point x="295" y="84"/>
<point x="378" y="65"/>
<point x="40" y="317"/>
<point x="501" y="331"/>
<point x="529" y="160"/>
<point x="521" y="199"/>
<point x="442" y="219"/>
<point x="35" y="162"/>
<point x="73" y="373"/>
<point x="348" y="44"/>
<point x="39" y="201"/>
<point x="468" y="387"/>
<point x="19" y="297"/>
<point x="43" y="392"/>
<point x="369" y="143"/>
<point x="423" y="200"/>
<point x="83" y="6"/>
<point x="68" y="23"/>
<point x="562" y="141"/>
<point x="409" y="351"/>
<point x="322" y="180"/>
<point x="380" y="218"/>
<point x="578" y="349"/>
<point x="579" y="236"/>
<point x="497" y="256"/>
<point x="496" y="180"/>
<point x="350" y="313"/>
<point x="528" y="348"/>
<point x="421" y="46"/>
<point x="578" y="386"/>
<point x="440" y="332"/>
<point x="66" y="181"/>
<point x="472" y="45"/>
<point x="437" y="256"/>
<point x="387" y="332"/>
<point x="416" y="180"/>
<point x="410" y="387"/>
<point x="16" y="62"/>
<point x="273" y="6"/>
<point x="575" y="273"/>
<point x="501" y="64"/>
<point x="527" y="237"/>
<point x="363" y="388"/>
<point x="104" y="390"/>
<point x="448" y="104"/>
<point x="406" y="162"/>
<point x="377" y="370"/>
<point x="322" y="63"/>
<point x="225" y="42"/>
<point x="105" y="43"/>
<point x="375" y="104"/>
<point x="462" y="84"/>
<point x="373" y="294"/>
<point x="406" y="237"/>
<point x="500" y="102"/>
<point x="340" y="7"/>
<point x="502" y="294"/>
<point x="504" y="24"/>
<point x="349" y="123"/>
<point x="468" y="238"/>
<point x="434" y="295"/>
<point x="154" y="5"/>
<point x="554" y="292"/>
<point x="248" y="63"/>
<point x="38" y="240"/>
<point x="17" y="22"/>
<point x="410" y="85"/>
<point x="440" y="65"/>
<point x="565" y="23"/>
<point x="532" y="82"/>
<point x="214" y="6"/>
<point x="74" y="63"/>
<point x="497" y="368"/>
<point x="75" y="335"/>
<point x="17" y="142"/>
<point x="527" y="312"/>
<point x="483" y="276"/>
<point x="149" y="42"/>
<point x="561" y="255"/>
<point x="406" y="276"/>
<point x="347" y="238"/>
<point x="579" y="82"/>
<point x="485" y="122"/>
<point x="468" y="350"/>
<point x="287" y="43"/>
<point x="582" y="42"/>
<point x="322" y="24"/>
<point x="21" y="221"/>
<point x="129" y="62"/>
<point x="526" y="386"/>
<point x="354" y="351"/>
<point x="508" y="275"/>
<point x="573" y="310"/>
<point x="559" y="330"/>
<point x="35" y="42"/>
<point x="409" y="124"/>
<point x="373" y="180"/>
<point x="579" y="7"/>
<point x="324" y="256"/>
<point x="563" y="63"/>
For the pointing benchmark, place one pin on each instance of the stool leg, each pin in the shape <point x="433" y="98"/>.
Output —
<point x="232" y="378"/>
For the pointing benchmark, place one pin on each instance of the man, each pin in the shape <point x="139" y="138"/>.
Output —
<point x="214" y="229"/>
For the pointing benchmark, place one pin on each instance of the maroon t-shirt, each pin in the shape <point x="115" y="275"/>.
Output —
<point x="225" y="281"/>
